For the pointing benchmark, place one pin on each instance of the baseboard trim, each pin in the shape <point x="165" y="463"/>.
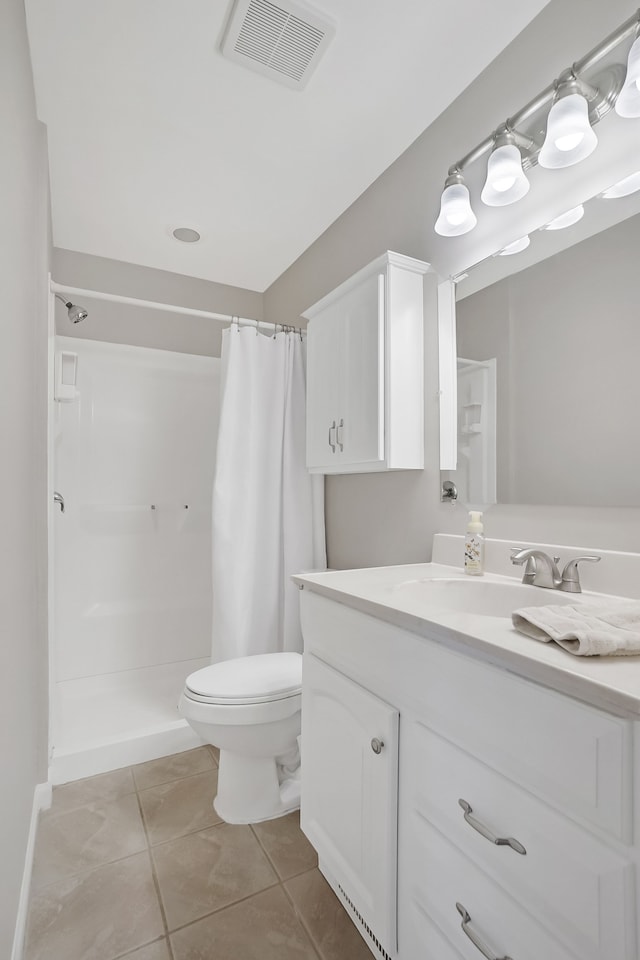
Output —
<point x="108" y="755"/>
<point x="42" y="796"/>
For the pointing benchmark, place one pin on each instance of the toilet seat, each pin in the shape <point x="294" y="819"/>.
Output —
<point x="263" y="678"/>
<point x="193" y="707"/>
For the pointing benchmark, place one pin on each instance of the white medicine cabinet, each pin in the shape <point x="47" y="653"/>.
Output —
<point x="365" y="370"/>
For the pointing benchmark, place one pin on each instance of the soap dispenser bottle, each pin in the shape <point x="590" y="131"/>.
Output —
<point x="474" y="545"/>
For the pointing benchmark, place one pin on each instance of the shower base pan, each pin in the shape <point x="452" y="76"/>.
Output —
<point x="118" y="719"/>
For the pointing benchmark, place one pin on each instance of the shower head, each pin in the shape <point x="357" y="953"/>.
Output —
<point x="75" y="313"/>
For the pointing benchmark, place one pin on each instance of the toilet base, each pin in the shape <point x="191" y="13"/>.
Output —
<point x="249" y="790"/>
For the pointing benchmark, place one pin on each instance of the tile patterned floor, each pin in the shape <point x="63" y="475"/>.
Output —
<point x="136" y="864"/>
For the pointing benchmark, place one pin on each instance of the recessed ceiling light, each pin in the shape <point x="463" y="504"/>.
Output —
<point x="186" y="234"/>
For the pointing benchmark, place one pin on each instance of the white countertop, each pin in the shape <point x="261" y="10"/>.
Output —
<point x="611" y="683"/>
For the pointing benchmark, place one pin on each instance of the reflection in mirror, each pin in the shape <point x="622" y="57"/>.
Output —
<point x="477" y="380"/>
<point x="549" y="371"/>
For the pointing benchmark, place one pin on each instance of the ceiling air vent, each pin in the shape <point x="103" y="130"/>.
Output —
<point x="283" y="40"/>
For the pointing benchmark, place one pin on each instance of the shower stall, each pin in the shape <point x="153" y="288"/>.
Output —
<point x="132" y="445"/>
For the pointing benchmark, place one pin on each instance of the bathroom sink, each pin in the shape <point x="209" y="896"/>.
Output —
<point x="479" y="597"/>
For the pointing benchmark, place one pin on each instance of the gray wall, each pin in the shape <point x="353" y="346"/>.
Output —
<point x="391" y="518"/>
<point x="121" y="323"/>
<point x="23" y="488"/>
<point x="483" y="331"/>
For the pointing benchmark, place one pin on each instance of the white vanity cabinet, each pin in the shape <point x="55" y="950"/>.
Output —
<point x="485" y="756"/>
<point x="365" y="359"/>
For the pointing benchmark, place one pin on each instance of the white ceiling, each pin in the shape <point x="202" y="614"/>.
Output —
<point x="151" y="128"/>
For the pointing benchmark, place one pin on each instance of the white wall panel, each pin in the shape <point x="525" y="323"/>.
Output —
<point x="134" y="583"/>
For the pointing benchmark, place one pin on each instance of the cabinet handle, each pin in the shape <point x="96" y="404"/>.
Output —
<point x="486" y="833"/>
<point x="377" y="745"/>
<point x="475" y="939"/>
<point x="332" y="443"/>
<point x="339" y="436"/>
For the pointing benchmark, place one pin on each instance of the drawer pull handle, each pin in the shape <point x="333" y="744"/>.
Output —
<point x="486" y="833"/>
<point x="475" y="939"/>
<point x="339" y="437"/>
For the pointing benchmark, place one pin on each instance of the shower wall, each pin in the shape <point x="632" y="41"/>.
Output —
<point x="134" y="459"/>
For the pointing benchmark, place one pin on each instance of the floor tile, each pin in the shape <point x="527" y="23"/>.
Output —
<point x="175" y="767"/>
<point x="98" y="915"/>
<point x="94" y="896"/>
<point x="264" y="927"/>
<point x="153" y="951"/>
<point x="183" y="806"/>
<point x="206" y="871"/>
<point x="77" y="840"/>
<point x="215" y="752"/>
<point x="287" y="847"/>
<point x="329" y="925"/>
<point x="99" y="789"/>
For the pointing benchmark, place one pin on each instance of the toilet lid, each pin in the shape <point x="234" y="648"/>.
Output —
<point x="267" y="676"/>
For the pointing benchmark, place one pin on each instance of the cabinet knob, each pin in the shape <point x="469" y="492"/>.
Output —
<point x="377" y="745"/>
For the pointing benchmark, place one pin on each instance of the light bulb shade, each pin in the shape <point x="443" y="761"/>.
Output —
<point x="505" y="181"/>
<point x="456" y="216"/>
<point x="628" y="102"/>
<point x="566" y="219"/>
<point x="623" y="187"/>
<point x="570" y="137"/>
<point x="516" y="247"/>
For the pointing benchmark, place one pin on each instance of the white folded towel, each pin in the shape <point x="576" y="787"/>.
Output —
<point x="587" y="629"/>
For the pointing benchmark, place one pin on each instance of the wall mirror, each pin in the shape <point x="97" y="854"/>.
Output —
<point x="548" y="347"/>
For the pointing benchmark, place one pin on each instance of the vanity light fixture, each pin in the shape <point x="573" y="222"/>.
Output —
<point x="570" y="137"/>
<point x="516" y="247"/>
<point x="506" y="181"/>
<point x="566" y="219"/>
<point x="456" y="216"/>
<point x="628" y="102"/>
<point x="567" y="109"/>
<point x="622" y="188"/>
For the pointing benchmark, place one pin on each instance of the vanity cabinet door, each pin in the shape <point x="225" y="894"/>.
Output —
<point x="349" y="792"/>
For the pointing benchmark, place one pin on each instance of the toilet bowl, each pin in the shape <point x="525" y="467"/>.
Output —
<point x="250" y="708"/>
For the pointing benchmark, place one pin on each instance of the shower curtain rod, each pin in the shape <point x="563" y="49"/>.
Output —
<point x="167" y="307"/>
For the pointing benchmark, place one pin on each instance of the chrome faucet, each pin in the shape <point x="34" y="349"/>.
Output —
<point x="542" y="571"/>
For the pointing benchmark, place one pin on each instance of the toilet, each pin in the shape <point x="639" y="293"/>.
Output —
<point x="250" y="708"/>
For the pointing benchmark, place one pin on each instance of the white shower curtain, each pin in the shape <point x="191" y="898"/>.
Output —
<point x="268" y="511"/>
